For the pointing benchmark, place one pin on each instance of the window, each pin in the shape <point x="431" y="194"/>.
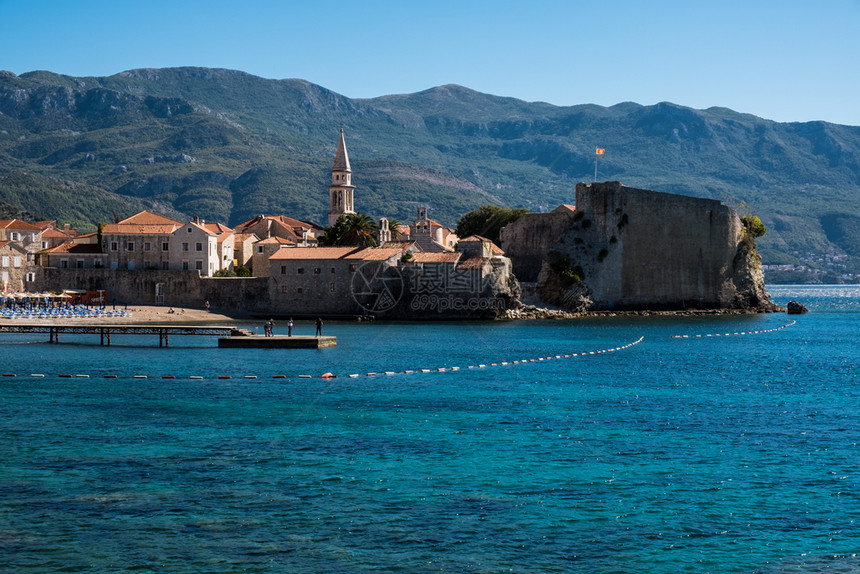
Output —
<point x="199" y="265"/>
<point x="16" y="261"/>
<point x="130" y="246"/>
<point x="299" y="290"/>
<point x="113" y="245"/>
<point x="316" y="270"/>
<point x="164" y="246"/>
<point x="333" y="287"/>
<point x="97" y="263"/>
<point x="185" y="265"/>
<point x="64" y="264"/>
<point x="30" y="277"/>
<point x="146" y="245"/>
<point x="284" y="289"/>
<point x="4" y="276"/>
<point x="259" y="249"/>
<point x="353" y="267"/>
<point x="199" y="247"/>
<point x="332" y="269"/>
<point x="44" y="245"/>
<point x="301" y="270"/>
<point x="5" y="261"/>
<point x="79" y="263"/>
<point x="283" y="269"/>
<point x="15" y="236"/>
<point x="189" y="230"/>
<point x="165" y="265"/>
<point x="184" y="246"/>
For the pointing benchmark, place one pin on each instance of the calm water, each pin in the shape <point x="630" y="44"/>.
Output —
<point x="736" y="453"/>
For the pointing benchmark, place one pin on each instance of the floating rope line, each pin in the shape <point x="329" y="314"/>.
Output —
<point x="329" y="375"/>
<point x="490" y="365"/>
<point x="700" y="336"/>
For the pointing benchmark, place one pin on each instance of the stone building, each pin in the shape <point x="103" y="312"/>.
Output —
<point x="243" y="248"/>
<point x="193" y="246"/>
<point x="52" y="236"/>
<point x="325" y="280"/>
<point x="17" y="271"/>
<point x="225" y="239"/>
<point x="300" y="233"/>
<point x="431" y="235"/>
<point x="72" y="255"/>
<point x="141" y="241"/>
<point x="26" y="235"/>
<point x="263" y="251"/>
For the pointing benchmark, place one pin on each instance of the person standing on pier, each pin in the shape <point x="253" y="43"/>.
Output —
<point x="290" y="327"/>
<point x="319" y="327"/>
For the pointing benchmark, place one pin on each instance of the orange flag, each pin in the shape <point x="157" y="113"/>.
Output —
<point x="600" y="151"/>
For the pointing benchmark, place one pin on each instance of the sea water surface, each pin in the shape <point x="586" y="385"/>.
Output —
<point x="659" y="445"/>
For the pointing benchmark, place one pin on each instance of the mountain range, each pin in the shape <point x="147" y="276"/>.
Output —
<point x="224" y="145"/>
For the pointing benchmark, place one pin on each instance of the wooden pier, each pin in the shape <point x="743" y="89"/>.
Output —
<point x="228" y="336"/>
<point x="277" y="342"/>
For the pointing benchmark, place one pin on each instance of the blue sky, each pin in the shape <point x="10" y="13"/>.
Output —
<point x="782" y="60"/>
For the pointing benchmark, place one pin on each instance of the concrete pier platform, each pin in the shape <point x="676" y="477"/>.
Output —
<point x="276" y="342"/>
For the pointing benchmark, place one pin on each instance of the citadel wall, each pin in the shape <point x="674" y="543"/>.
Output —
<point x="641" y="249"/>
<point x="527" y="240"/>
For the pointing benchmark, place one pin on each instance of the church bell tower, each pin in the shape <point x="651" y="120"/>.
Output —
<point x="341" y="188"/>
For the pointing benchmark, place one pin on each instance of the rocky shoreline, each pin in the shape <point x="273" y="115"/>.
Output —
<point x="532" y="312"/>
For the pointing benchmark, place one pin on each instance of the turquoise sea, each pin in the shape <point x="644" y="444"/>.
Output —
<point x="656" y="451"/>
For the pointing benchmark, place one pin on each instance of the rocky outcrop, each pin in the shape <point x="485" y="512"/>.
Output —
<point x="796" y="308"/>
<point x="747" y="280"/>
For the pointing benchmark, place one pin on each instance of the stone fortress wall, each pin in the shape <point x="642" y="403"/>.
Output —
<point x="641" y="249"/>
<point x="527" y="240"/>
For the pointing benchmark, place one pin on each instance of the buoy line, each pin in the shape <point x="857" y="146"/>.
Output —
<point x="736" y="334"/>
<point x="490" y="365"/>
<point x="329" y="375"/>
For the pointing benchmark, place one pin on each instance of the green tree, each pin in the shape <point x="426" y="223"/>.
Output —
<point x="394" y="226"/>
<point x="753" y="225"/>
<point x="487" y="221"/>
<point x="352" y="229"/>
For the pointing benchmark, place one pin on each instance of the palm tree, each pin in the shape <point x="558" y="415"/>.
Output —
<point x="352" y="229"/>
<point x="394" y="227"/>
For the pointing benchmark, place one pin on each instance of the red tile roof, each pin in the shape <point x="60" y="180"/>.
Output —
<point x="18" y="224"/>
<point x="312" y="253"/>
<point x="274" y="240"/>
<point x="149" y="218"/>
<point x="444" y="257"/>
<point x="376" y="254"/>
<point x="472" y="263"/>
<point x="139" y="229"/>
<point x="54" y="233"/>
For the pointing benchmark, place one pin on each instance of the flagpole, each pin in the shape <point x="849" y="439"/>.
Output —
<point x="597" y="152"/>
